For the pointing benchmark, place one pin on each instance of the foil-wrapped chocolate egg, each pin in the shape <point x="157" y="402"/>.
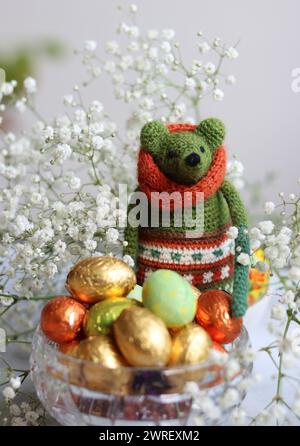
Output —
<point x="101" y="316"/>
<point x="190" y="345"/>
<point x="62" y="319"/>
<point x="97" y="278"/>
<point x="213" y="314"/>
<point x="69" y="348"/>
<point x="102" y="367"/>
<point x="142" y="337"/>
<point x="101" y="350"/>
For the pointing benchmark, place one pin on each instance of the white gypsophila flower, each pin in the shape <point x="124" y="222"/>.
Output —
<point x="32" y="417"/>
<point x="30" y="85"/>
<point x="6" y="301"/>
<point x="90" y="245"/>
<point x="68" y="99"/>
<point x="296" y="407"/>
<point x="21" y="105"/>
<point x="262" y="267"/>
<point x="129" y="260"/>
<point x="244" y="259"/>
<point x="152" y="34"/>
<point x="166" y="47"/>
<point x="168" y="34"/>
<point x="218" y="94"/>
<point x="239" y="416"/>
<point x="207" y="405"/>
<point x="14" y="410"/>
<point x="15" y="382"/>
<point x="294" y="273"/>
<point x="232" y="367"/>
<point x="231" y="79"/>
<point x="7" y="88"/>
<point x="133" y="8"/>
<point x="112" y="47"/>
<point x="18" y="421"/>
<point x="90" y="46"/>
<point x="169" y="59"/>
<point x="269" y="207"/>
<point x="288" y="298"/>
<point x="8" y="393"/>
<point x="232" y="53"/>
<point x="229" y="399"/>
<point x="112" y="235"/>
<point x="235" y="168"/>
<point x="190" y="83"/>
<point x="209" y="68"/>
<point x="266" y="227"/>
<point x="62" y="152"/>
<point x="204" y="47"/>
<point x="232" y="232"/>
<point x="278" y="312"/>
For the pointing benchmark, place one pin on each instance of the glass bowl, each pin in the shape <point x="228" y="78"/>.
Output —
<point x="78" y="392"/>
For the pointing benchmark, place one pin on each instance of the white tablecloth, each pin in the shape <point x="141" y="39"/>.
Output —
<point x="262" y="392"/>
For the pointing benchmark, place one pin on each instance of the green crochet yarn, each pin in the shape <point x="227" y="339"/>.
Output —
<point x="185" y="157"/>
<point x="241" y="272"/>
<point x="213" y="131"/>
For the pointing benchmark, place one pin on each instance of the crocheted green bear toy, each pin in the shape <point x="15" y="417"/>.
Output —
<point x="185" y="158"/>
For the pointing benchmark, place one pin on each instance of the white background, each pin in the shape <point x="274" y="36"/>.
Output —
<point x="261" y="111"/>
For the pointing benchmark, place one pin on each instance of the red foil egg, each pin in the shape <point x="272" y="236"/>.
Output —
<point x="62" y="319"/>
<point x="213" y="314"/>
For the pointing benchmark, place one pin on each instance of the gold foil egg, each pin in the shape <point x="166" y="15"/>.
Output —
<point x="101" y="350"/>
<point x="190" y="345"/>
<point x="142" y="338"/>
<point x="101" y="316"/>
<point x="103" y="366"/>
<point x="97" y="278"/>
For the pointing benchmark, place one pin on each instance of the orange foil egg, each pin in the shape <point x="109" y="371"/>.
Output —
<point x="69" y="348"/>
<point x="218" y="347"/>
<point x="62" y="319"/>
<point x="213" y="314"/>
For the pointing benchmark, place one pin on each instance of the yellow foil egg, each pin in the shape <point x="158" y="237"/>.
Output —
<point x="101" y="350"/>
<point x="102" y="315"/>
<point x="190" y="345"/>
<point x="97" y="278"/>
<point x="142" y="338"/>
<point x="103" y="367"/>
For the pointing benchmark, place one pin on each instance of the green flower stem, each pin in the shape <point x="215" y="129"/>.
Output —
<point x="280" y="375"/>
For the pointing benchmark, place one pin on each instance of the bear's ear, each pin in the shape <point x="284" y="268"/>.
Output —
<point x="213" y="130"/>
<point x="152" y="135"/>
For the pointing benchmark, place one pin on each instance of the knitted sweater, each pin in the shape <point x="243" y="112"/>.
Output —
<point x="207" y="260"/>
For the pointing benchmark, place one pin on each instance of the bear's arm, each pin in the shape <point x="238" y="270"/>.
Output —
<point x="241" y="272"/>
<point x="236" y="206"/>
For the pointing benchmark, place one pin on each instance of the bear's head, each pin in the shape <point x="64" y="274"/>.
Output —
<point x="183" y="156"/>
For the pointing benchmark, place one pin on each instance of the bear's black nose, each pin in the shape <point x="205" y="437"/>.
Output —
<point x="193" y="159"/>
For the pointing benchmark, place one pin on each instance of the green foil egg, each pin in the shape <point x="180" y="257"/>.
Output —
<point x="102" y="315"/>
<point x="168" y="295"/>
<point x="136" y="293"/>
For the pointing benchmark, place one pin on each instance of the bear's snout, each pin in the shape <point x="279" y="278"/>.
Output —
<point x="192" y="159"/>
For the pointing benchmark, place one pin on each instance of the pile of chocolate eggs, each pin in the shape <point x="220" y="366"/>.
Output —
<point x="109" y="320"/>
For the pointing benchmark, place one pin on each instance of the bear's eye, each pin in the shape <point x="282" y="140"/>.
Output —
<point x="202" y="149"/>
<point x="171" y="153"/>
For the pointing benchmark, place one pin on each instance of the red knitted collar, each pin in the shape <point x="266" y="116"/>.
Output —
<point x="151" y="179"/>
